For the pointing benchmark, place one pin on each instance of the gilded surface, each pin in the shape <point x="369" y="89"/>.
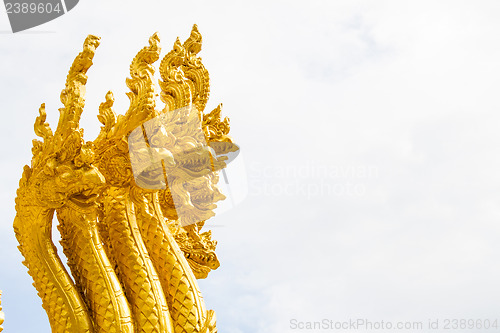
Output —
<point x="133" y="254"/>
<point x="2" y="317"/>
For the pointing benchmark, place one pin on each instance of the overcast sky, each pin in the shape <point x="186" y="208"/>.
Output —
<point x="370" y="139"/>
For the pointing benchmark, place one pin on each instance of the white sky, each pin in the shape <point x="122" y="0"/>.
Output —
<point x="370" y="137"/>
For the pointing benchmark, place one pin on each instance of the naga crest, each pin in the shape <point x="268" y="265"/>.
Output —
<point x="131" y="204"/>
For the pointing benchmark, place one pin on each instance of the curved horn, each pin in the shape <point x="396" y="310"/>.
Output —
<point x="73" y="95"/>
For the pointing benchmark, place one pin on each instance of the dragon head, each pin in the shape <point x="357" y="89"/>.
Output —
<point x="170" y="153"/>
<point x="62" y="171"/>
<point x="67" y="176"/>
<point x="198" y="248"/>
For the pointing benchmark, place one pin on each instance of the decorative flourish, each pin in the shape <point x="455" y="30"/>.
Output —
<point x="106" y="116"/>
<point x="195" y="72"/>
<point x="134" y="253"/>
<point x="175" y="90"/>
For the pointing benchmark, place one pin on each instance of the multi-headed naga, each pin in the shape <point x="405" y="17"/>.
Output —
<point x="132" y="236"/>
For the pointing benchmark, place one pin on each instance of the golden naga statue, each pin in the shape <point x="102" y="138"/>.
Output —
<point x="132" y="237"/>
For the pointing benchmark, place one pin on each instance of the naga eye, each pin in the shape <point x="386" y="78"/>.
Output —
<point x="48" y="170"/>
<point x="85" y="157"/>
<point x="50" y="167"/>
<point x="65" y="176"/>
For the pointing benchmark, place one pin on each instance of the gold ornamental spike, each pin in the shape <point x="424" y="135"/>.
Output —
<point x="73" y="95"/>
